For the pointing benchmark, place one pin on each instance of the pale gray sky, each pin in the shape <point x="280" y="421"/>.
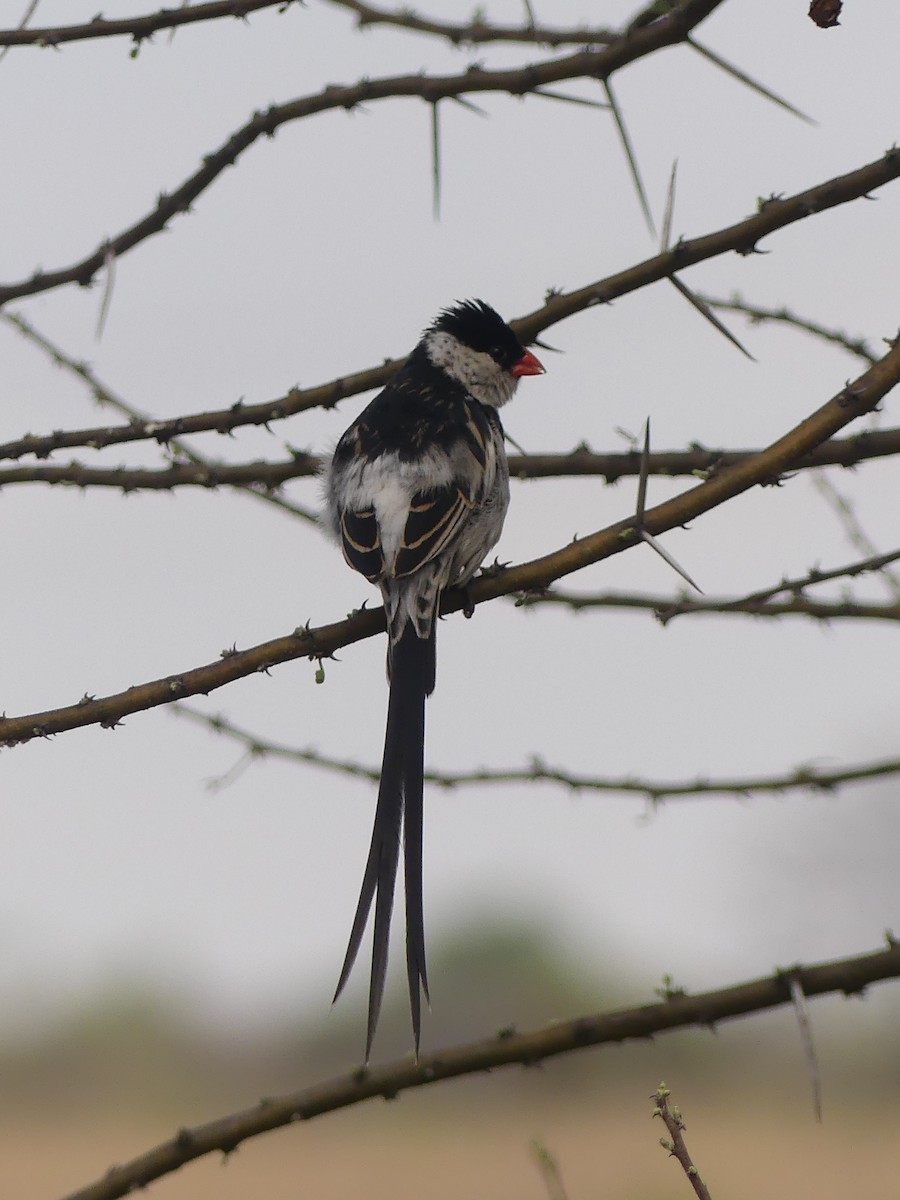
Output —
<point x="317" y="254"/>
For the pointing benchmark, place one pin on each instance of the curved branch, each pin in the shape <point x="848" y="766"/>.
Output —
<point x="476" y="32"/>
<point x="590" y="64"/>
<point x="773" y="214"/>
<point x="851" y="402"/>
<point x="137" y="28"/>
<point x="802" y="778"/>
<point x="741" y="237"/>
<point x="677" y="1010"/>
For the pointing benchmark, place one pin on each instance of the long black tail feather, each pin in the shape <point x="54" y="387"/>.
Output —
<point x="400" y="802"/>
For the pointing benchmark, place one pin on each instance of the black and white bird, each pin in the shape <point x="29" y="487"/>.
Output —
<point x="417" y="491"/>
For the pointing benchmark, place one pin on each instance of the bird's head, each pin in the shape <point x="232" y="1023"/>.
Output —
<point x="475" y="346"/>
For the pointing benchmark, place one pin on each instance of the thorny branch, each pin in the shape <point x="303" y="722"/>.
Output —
<point x="741" y="237"/>
<point x="104" y="396"/>
<point x="586" y="64"/>
<point x="803" y="778"/>
<point x="270" y="475"/>
<point x="759" y="603"/>
<point x="478" y="31"/>
<point x="678" y="1011"/>
<point x="664" y="608"/>
<point x="852" y="401"/>
<point x="137" y="28"/>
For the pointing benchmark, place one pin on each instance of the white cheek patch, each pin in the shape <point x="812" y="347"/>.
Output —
<point x="479" y="374"/>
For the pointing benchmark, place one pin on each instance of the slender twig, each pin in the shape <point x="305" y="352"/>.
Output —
<point x="137" y="28"/>
<point x="104" y="396"/>
<point x="265" y="473"/>
<point x="758" y="314"/>
<point x="854" y="531"/>
<point x="674" y="1143"/>
<point x="478" y="32"/>
<point x="742" y="237"/>
<point x="758" y="603"/>
<point x="519" y="81"/>
<point x="665" y="608"/>
<point x="678" y="1011"/>
<point x="853" y="401"/>
<point x="804" y="778"/>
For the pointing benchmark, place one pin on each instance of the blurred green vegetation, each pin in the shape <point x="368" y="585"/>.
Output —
<point x="136" y="1049"/>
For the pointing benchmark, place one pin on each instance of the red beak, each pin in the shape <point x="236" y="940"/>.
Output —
<point x="527" y="365"/>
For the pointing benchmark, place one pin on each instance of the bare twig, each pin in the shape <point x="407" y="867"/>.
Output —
<point x="758" y="314"/>
<point x="665" y="608"/>
<point x="204" y="470"/>
<point x="674" y="1143"/>
<point x="137" y="28"/>
<point x="698" y="461"/>
<point x="601" y="64"/>
<point x="854" y="400"/>
<point x="803" y="778"/>
<point x="741" y="237"/>
<point x="758" y="603"/>
<point x="679" y="1011"/>
<point x="856" y="535"/>
<point x="478" y="32"/>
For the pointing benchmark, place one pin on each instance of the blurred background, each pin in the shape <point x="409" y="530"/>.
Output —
<point x="169" y="949"/>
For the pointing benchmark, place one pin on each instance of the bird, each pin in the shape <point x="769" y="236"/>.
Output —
<point x="416" y="493"/>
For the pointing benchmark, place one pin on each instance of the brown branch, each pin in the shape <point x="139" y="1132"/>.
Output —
<point x="677" y="1011"/>
<point x="207" y="474"/>
<point x="104" y="396"/>
<point x="477" y="32"/>
<point x="804" y="778"/>
<point x="851" y="402"/>
<point x="268" y="475"/>
<point x="667" y="607"/>
<point x="759" y="603"/>
<point x="590" y="64"/>
<point x="698" y="461"/>
<point x="741" y="237"/>
<point x="137" y="28"/>
<point x="264" y="473"/>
